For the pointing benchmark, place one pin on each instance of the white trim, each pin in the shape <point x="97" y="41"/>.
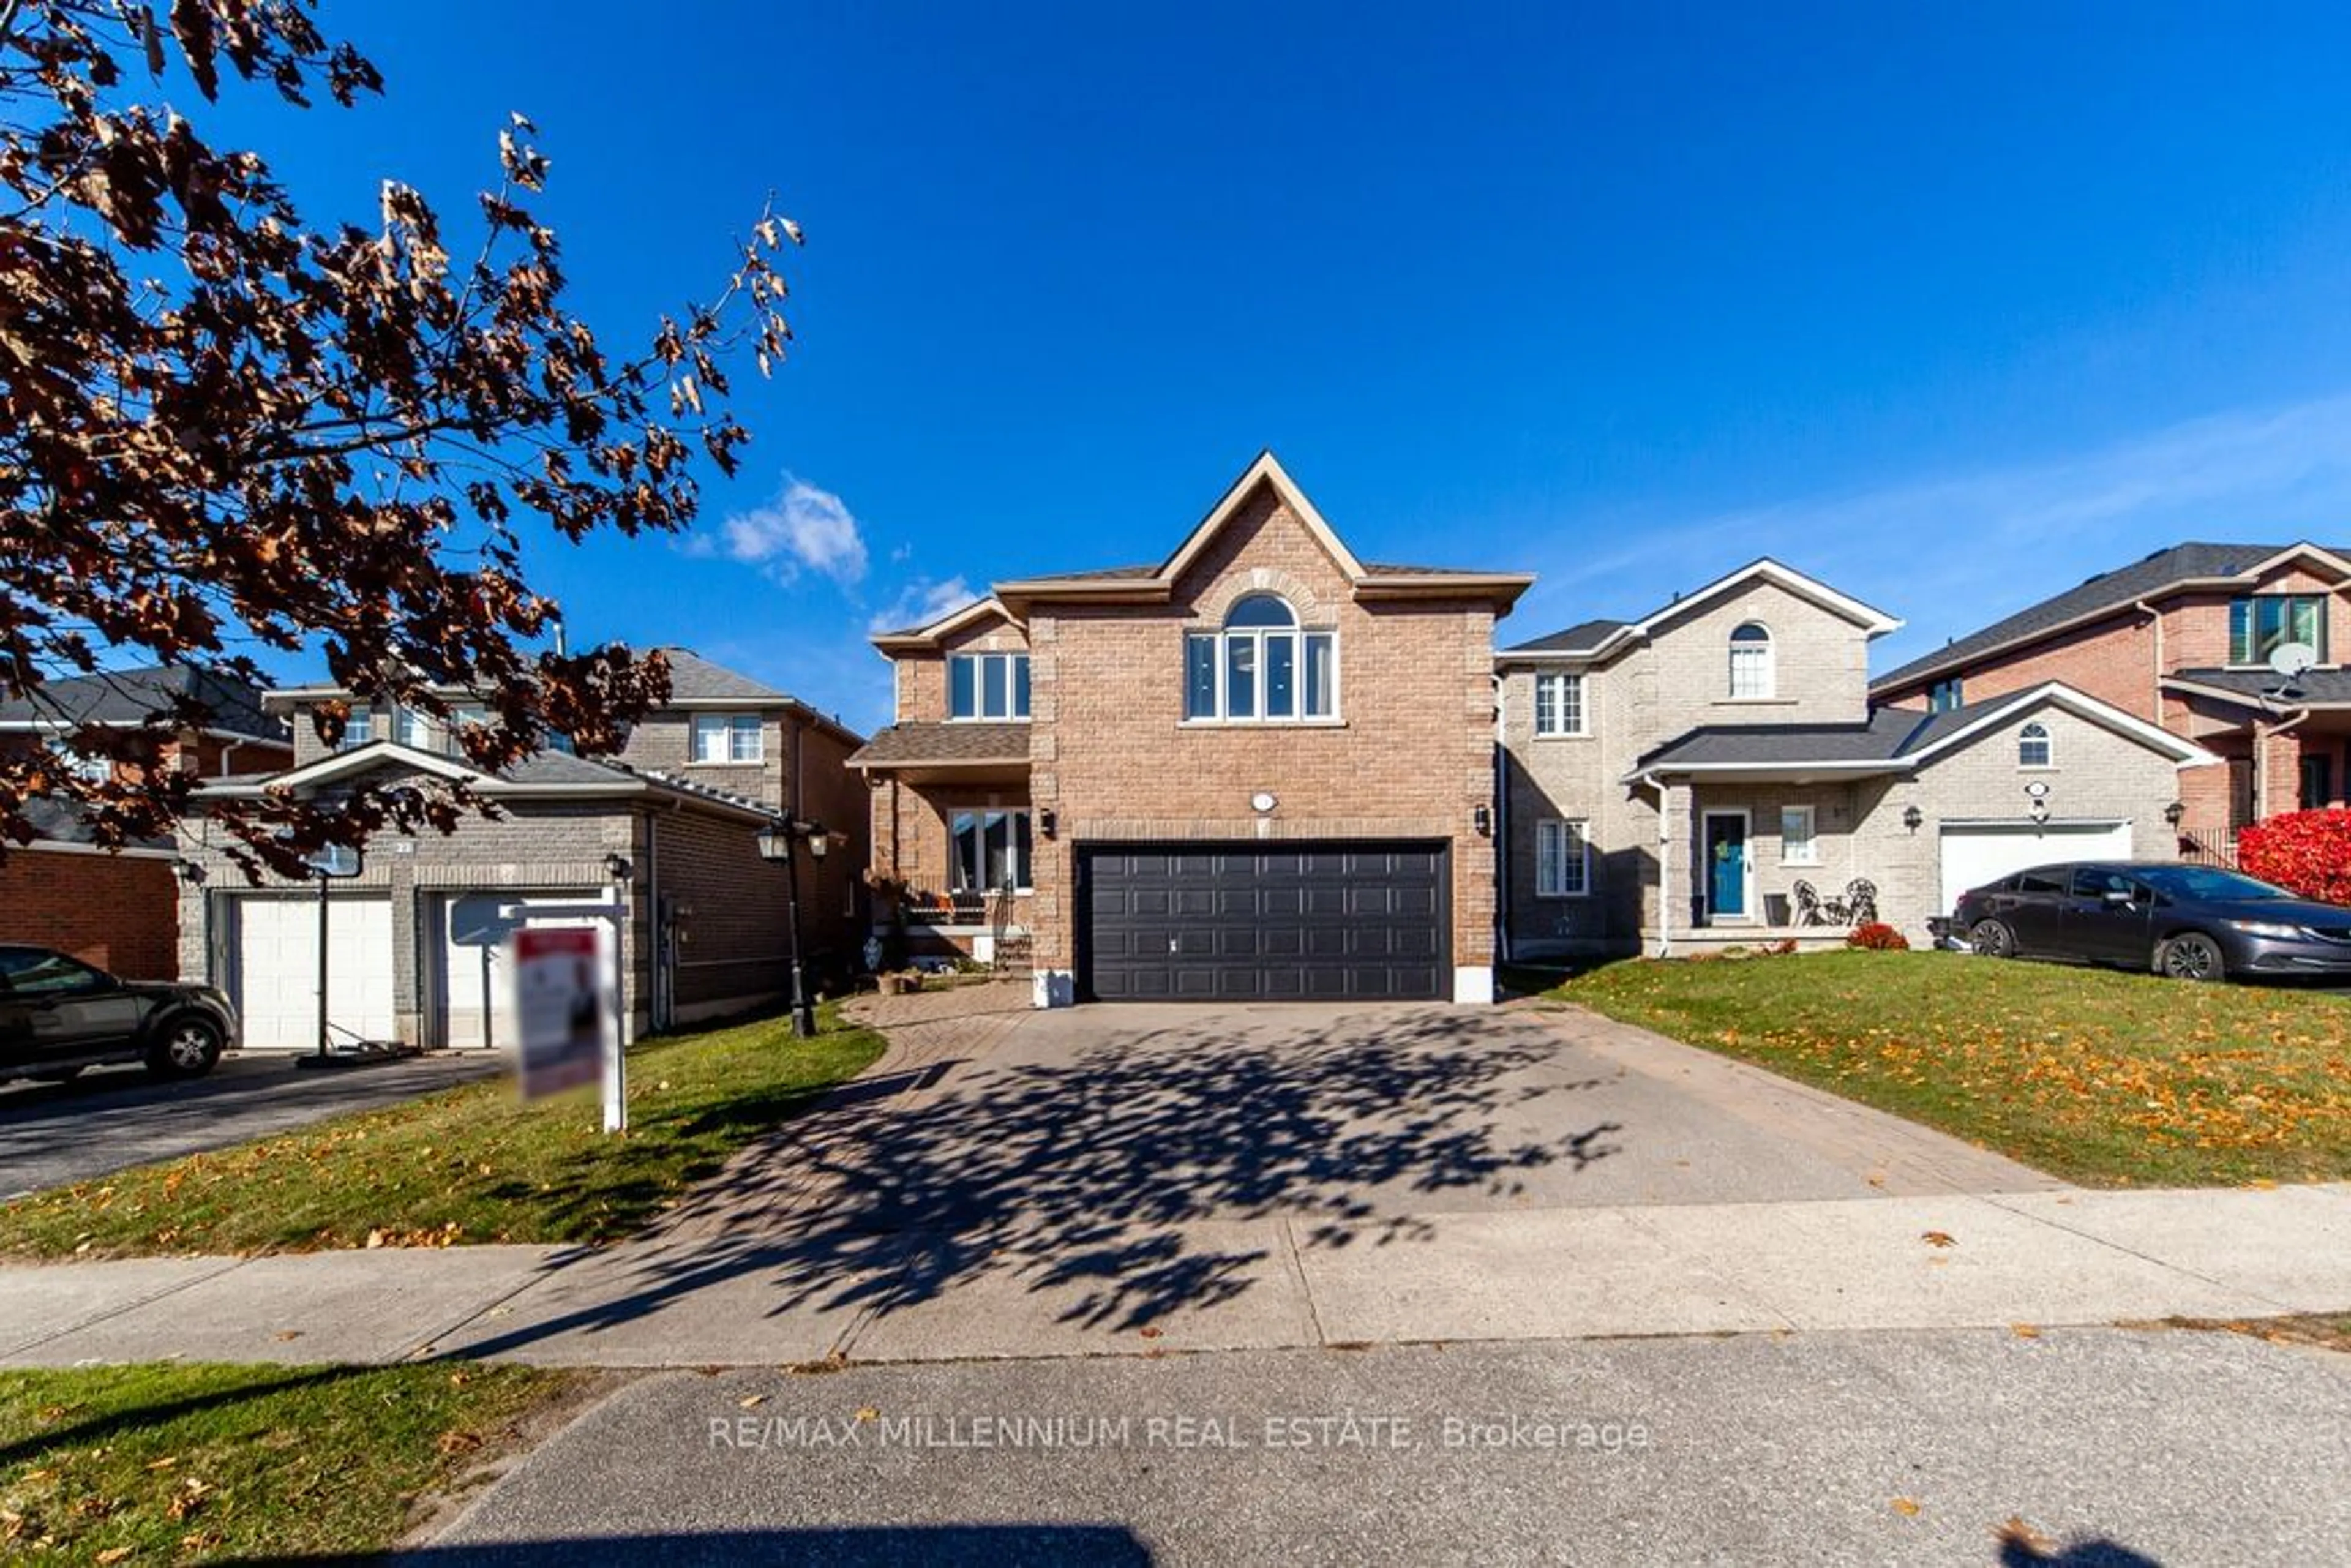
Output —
<point x="1797" y="765"/>
<point x="1763" y="655"/>
<point x="1872" y="621"/>
<point x="1582" y="888"/>
<point x="1811" y="856"/>
<point x="1745" y="914"/>
<point x="1267" y="469"/>
<point x="1220" y="638"/>
<point x="2082" y="705"/>
<point x="68" y="847"/>
<point x="980" y="685"/>
<point x="1582" y="730"/>
<point x="359" y="758"/>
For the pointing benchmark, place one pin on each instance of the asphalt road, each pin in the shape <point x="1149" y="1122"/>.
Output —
<point x="2113" y="1448"/>
<point x="114" y="1117"/>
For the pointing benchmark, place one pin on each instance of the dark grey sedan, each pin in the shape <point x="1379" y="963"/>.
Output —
<point x="2191" y="922"/>
<point x="59" y="1015"/>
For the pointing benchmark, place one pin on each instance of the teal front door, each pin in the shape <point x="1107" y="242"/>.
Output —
<point x="1725" y="865"/>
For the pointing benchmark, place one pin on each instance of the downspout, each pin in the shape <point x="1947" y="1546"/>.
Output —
<point x="1502" y="832"/>
<point x="2155" y="714"/>
<point x="2262" y="762"/>
<point x="1664" y="866"/>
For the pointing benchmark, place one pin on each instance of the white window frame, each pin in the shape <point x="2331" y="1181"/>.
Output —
<point x="2032" y="733"/>
<point x="358" y="730"/>
<point x="1302" y="637"/>
<point x="1015" y="712"/>
<point x="741" y="739"/>
<point x="1552" y="717"/>
<point x="1764" y="658"/>
<point x="1024" y="868"/>
<point x="1556" y="876"/>
<point x="414" y="729"/>
<point x="1811" y="854"/>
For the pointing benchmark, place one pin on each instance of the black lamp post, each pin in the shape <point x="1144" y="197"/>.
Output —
<point x="776" y="844"/>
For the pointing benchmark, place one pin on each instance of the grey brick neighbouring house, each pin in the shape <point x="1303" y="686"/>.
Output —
<point x="1714" y="773"/>
<point x="414" y="939"/>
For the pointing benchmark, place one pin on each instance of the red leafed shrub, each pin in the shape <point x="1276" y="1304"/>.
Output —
<point x="1878" y="937"/>
<point x="2307" y="852"/>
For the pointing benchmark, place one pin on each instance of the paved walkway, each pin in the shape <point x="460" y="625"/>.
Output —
<point x="1008" y="1184"/>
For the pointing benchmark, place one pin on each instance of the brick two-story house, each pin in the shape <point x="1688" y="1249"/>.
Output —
<point x="1260" y="767"/>
<point x="2185" y="638"/>
<point x="1713" y="772"/>
<point x="119" y="908"/>
<point x="666" y="828"/>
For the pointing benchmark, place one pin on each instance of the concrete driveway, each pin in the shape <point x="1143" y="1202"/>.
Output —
<point x="1028" y="1183"/>
<point x="112" y="1118"/>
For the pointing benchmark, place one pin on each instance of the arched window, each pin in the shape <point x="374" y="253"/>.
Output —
<point x="1750" y="659"/>
<point x="1261" y="668"/>
<point x="2033" y="750"/>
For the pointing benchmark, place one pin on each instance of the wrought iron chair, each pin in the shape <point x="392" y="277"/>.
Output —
<point x="1809" y="908"/>
<point x="1861" y="902"/>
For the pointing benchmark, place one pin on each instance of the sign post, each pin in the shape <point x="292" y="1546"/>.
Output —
<point x="569" y="1018"/>
<point x="331" y="861"/>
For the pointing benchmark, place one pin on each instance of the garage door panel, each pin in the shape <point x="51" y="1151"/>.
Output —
<point x="1976" y="853"/>
<point x="1330" y="922"/>
<point x="277" y="970"/>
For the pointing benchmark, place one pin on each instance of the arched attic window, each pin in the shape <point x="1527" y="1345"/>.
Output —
<point x="1261" y="668"/>
<point x="1750" y="659"/>
<point x="2033" y="747"/>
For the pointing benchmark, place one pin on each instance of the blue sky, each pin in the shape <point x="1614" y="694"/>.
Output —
<point x="1953" y="309"/>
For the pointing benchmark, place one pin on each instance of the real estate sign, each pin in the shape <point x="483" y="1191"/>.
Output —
<point x="563" y="1015"/>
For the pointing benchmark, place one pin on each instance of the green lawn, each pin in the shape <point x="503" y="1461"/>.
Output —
<point x="470" y="1164"/>
<point x="173" y="1463"/>
<point x="2100" y="1077"/>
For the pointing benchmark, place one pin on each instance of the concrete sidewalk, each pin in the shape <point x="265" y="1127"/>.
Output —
<point x="1924" y="1262"/>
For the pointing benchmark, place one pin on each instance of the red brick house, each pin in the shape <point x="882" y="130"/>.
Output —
<point x="2186" y="638"/>
<point x="1260" y="767"/>
<point x="118" y="909"/>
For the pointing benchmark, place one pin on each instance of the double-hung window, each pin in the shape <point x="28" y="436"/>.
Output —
<point x="1750" y="661"/>
<point x="728" y="738"/>
<point x="1946" y="694"/>
<point x="1563" y="859"/>
<point x="991" y="850"/>
<point x="2033" y="747"/>
<point x="987" y="686"/>
<point x="414" y="729"/>
<point x="2260" y="624"/>
<point x="1797" y="844"/>
<point x="359" y="730"/>
<point x="1261" y="668"/>
<point x="1559" y="705"/>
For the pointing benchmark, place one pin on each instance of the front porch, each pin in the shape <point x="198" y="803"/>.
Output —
<point x="953" y="843"/>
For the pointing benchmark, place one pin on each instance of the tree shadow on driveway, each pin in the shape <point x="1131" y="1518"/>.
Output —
<point x="1117" y="1170"/>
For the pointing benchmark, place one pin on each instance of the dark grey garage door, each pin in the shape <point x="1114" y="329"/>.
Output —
<point x="1203" y="922"/>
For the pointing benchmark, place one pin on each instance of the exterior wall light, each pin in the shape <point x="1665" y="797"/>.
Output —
<point x="1046" y="821"/>
<point x="1913" y="817"/>
<point x="1482" y="818"/>
<point x="2173" y="813"/>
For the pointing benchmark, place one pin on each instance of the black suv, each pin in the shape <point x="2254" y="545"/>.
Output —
<point x="58" y="1015"/>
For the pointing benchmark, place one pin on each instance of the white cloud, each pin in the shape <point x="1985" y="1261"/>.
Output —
<point x="802" y="527"/>
<point x="920" y="603"/>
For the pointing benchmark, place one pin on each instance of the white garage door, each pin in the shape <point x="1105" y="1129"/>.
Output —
<point x="470" y="1003"/>
<point x="1978" y="852"/>
<point x="277" y="970"/>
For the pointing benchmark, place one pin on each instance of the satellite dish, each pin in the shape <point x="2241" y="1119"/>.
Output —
<point x="2292" y="659"/>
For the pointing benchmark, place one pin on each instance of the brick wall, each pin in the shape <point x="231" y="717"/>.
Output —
<point x="117" y="912"/>
<point x="1411" y="757"/>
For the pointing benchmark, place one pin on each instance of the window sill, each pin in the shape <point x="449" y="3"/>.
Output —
<point x="1563" y="897"/>
<point x="1261" y="724"/>
<point x="1565" y="735"/>
<point x="1800" y="865"/>
<point x="2038" y="768"/>
<point x="753" y="762"/>
<point x="1755" y="702"/>
<point x="977" y="718"/>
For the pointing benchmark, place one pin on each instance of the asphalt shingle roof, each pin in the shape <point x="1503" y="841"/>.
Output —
<point x="1580" y="638"/>
<point x="1890" y="734"/>
<point x="2109" y="590"/>
<point x="901" y="743"/>
<point x="694" y="678"/>
<point x="130" y="696"/>
<point x="2310" y="686"/>
<point x="60" y="822"/>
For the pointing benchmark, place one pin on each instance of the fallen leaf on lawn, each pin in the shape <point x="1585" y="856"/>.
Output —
<point x="751" y="1401"/>
<point x="454" y="1443"/>
<point x="114" y="1554"/>
<point x="2262" y="1184"/>
<point x="2024" y="1331"/>
<point x="375" y="1238"/>
<point x="165" y="1463"/>
<point x="1939" y="1238"/>
<point x="1906" y="1507"/>
<point x="459" y="1379"/>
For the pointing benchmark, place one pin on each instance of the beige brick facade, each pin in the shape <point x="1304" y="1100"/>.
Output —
<point x="1672" y="678"/>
